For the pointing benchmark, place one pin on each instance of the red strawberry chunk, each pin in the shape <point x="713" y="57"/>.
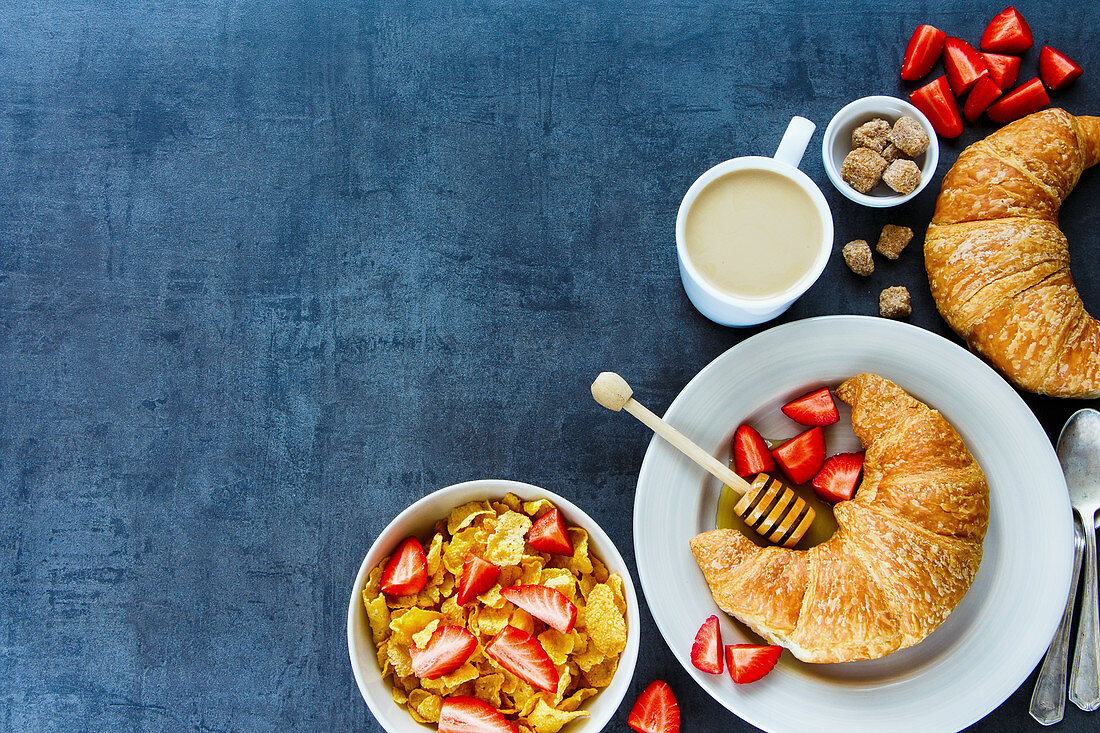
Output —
<point x="548" y="534"/>
<point x="1003" y="70"/>
<point x="546" y="604"/>
<point x="523" y="655"/>
<point x="1023" y="100"/>
<point x="838" y="478"/>
<point x="936" y="101"/>
<point x="984" y="93"/>
<point x="447" y="649"/>
<point x="461" y="714"/>
<point x="921" y="53"/>
<point x="750" y="453"/>
<point x="406" y="573"/>
<point x="1056" y="69"/>
<point x="963" y="64"/>
<point x="802" y="456"/>
<point x="656" y="710"/>
<point x="477" y="577"/>
<point x="706" y="652"/>
<point x="750" y="662"/>
<point x="1008" y="32"/>
<point x="815" y="408"/>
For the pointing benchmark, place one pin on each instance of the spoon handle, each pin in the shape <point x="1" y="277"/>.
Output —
<point x="1048" y="701"/>
<point x="1084" y="683"/>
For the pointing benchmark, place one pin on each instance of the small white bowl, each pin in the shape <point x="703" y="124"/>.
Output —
<point x="837" y="143"/>
<point x="418" y="520"/>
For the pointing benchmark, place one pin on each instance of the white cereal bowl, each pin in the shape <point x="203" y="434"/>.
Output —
<point x="837" y="143"/>
<point x="418" y="520"/>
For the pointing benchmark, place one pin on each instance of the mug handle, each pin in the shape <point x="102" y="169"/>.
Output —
<point x="793" y="145"/>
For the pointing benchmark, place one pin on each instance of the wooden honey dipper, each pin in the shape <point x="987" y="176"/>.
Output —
<point x="768" y="507"/>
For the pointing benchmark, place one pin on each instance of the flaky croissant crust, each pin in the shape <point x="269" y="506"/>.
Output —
<point x="999" y="265"/>
<point x="906" y="550"/>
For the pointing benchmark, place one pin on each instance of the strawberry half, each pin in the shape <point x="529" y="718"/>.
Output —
<point x="838" y="478"/>
<point x="446" y="650"/>
<point x="1008" y="32"/>
<point x="406" y="573"/>
<point x="546" y="604"/>
<point x="938" y="104"/>
<point x="815" y="408"/>
<point x="802" y="456"/>
<point x="963" y="64"/>
<point x="750" y="662"/>
<point x="1023" y="100"/>
<point x="750" y="453"/>
<point x="706" y="652"/>
<point x="477" y="577"/>
<point x="523" y="655"/>
<point x="921" y="53"/>
<point x="461" y="714"/>
<point x="984" y="93"/>
<point x="656" y="710"/>
<point x="1003" y="70"/>
<point x="548" y="534"/>
<point x="1056" y="69"/>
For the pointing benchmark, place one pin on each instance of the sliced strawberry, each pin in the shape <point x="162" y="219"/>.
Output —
<point x="802" y="456"/>
<point x="1008" y="32"/>
<point x="461" y="714"/>
<point x="407" y="571"/>
<point x="1003" y="70"/>
<point x="1023" y="100"/>
<point x="548" y="534"/>
<point x="1056" y="69"/>
<point x="546" y="604"/>
<point x="963" y="64"/>
<point x="938" y="104"/>
<point x="477" y="577"/>
<point x="706" y="652"/>
<point x="656" y="710"/>
<point x="921" y="53"/>
<point x="750" y="662"/>
<point x="838" y="478"/>
<point x="984" y="93"/>
<point x="815" y="408"/>
<point x="523" y="655"/>
<point x="447" y="649"/>
<point x="750" y="453"/>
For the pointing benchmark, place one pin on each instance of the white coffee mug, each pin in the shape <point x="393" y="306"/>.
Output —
<point x="729" y="309"/>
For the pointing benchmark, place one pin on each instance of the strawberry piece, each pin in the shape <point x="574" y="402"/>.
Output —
<point x="984" y="93"/>
<point x="461" y="714"/>
<point x="1003" y="70"/>
<point x="963" y="64"/>
<point x="1008" y="32"/>
<point x="750" y="453"/>
<point x="447" y="649"/>
<point x="815" y="408"/>
<point x="706" y="652"/>
<point x="477" y="577"/>
<point x="1056" y="69"/>
<point x="802" y="456"/>
<point x="656" y="710"/>
<point x="406" y="573"/>
<point x="921" y="53"/>
<point x="1023" y="100"/>
<point x="523" y="655"/>
<point x="938" y="104"/>
<point x="546" y="604"/>
<point x="548" y="534"/>
<point x="750" y="662"/>
<point x="838" y="478"/>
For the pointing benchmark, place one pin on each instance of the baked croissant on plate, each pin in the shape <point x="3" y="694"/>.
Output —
<point x="906" y="550"/>
<point x="999" y="265"/>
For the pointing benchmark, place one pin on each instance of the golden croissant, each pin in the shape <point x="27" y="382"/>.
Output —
<point x="999" y="265"/>
<point x="905" y="552"/>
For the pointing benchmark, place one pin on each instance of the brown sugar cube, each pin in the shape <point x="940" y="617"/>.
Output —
<point x="857" y="255"/>
<point x="893" y="240"/>
<point x="894" y="302"/>
<point x="862" y="169"/>
<point x="909" y="137"/>
<point x="891" y="153"/>
<point x="902" y="175"/>
<point x="871" y="135"/>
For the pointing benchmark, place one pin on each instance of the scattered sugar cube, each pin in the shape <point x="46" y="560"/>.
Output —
<point x="862" y="169"/>
<point x="894" y="302"/>
<point x="902" y="175"/>
<point x="893" y="240"/>
<point x="857" y="255"/>
<point x="871" y="135"/>
<point x="909" y="136"/>
<point x="891" y="153"/>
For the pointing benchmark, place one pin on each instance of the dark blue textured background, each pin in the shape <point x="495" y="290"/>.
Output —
<point x="270" y="271"/>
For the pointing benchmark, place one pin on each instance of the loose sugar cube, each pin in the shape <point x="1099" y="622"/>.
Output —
<point x="891" y="153"/>
<point x="909" y="137"/>
<point x="857" y="255"/>
<point x="893" y="240"/>
<point x="902" y="175"/>
<point x="871" y="135"/>
<point x="894" y="302"/>
<point x="862" y="169"/>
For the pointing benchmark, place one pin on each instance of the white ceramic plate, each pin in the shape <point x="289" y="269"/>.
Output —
<point x="1000" y="630"/>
